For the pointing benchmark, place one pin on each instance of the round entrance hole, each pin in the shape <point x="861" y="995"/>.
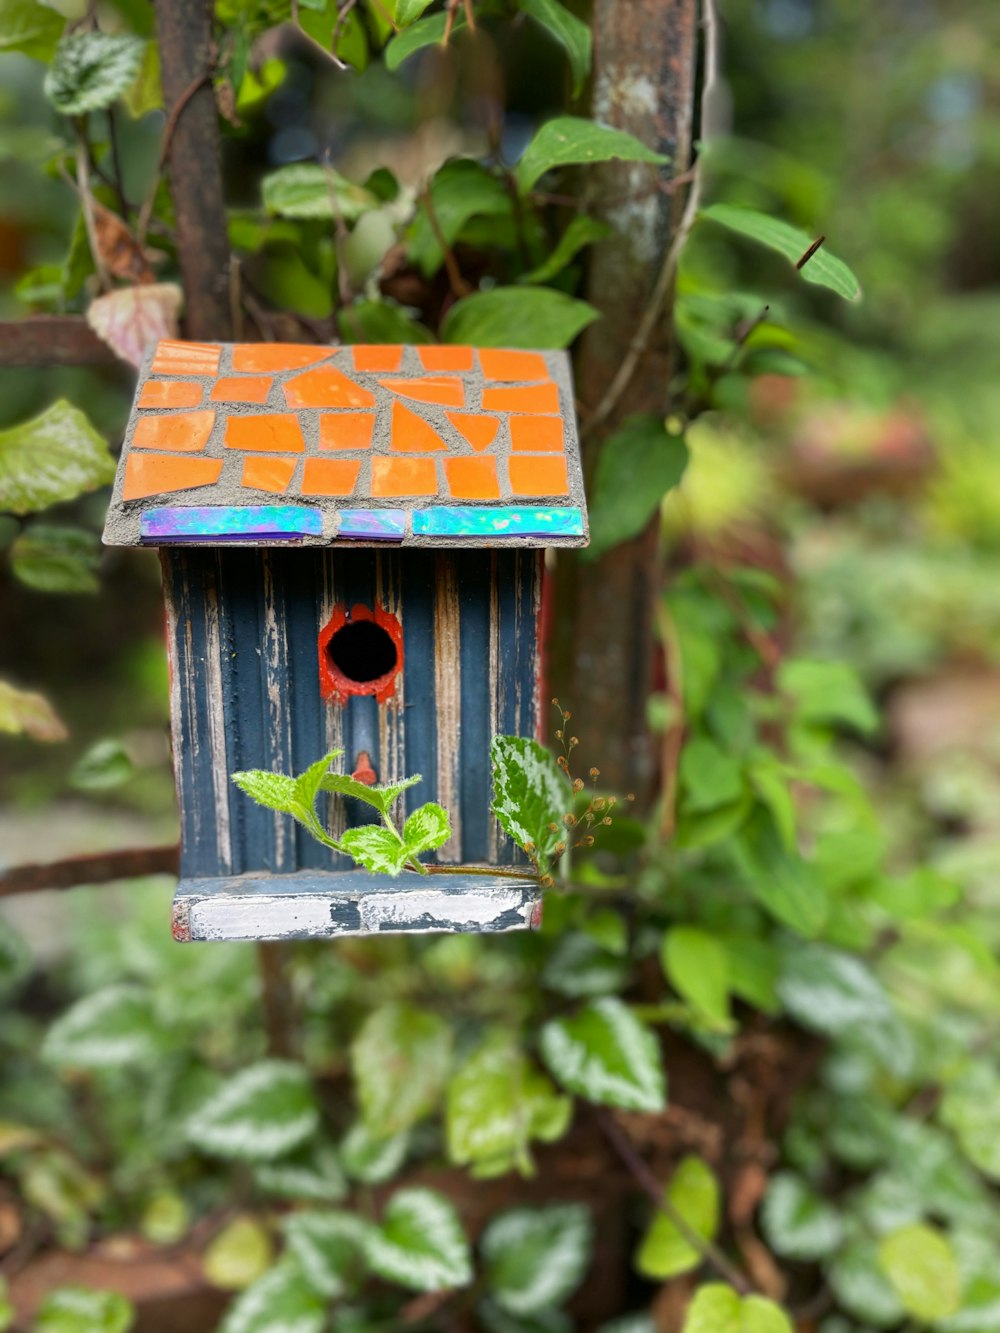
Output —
<point x="362" y="651"/>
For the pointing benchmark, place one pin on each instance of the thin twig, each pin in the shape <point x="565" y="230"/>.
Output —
<point x="801" y="263"/>
<point x="87" y="205"/>
<point x="340" y="234"/>
<point x="644" y="1177"/>
<point x="116" y="159"/>
<point x="149" y="203"/>
<point x="664" y="282"/>
<point x="457" y="283"/>
<point x="95" y="868"/>
<point x="673" y="733"/>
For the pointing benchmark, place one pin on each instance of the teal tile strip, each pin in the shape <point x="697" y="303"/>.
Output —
<point x="195" y="523"/>
<point x="497" y="521"/>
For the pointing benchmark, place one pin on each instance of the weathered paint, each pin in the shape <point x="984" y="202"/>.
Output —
<point x="243" y="626"/>
<point x="315" y="905"/>
<point x="333" y="684"/>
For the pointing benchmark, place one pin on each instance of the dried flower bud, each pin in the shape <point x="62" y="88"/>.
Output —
<point x="558" y="849"/>
<point x="588" y="841"/>
<point x="566" y="716"/>
<point x="578" y="784"/>
<point x="547" y="881"/>
<point x="599" y="804"/>
<point x="569" y="820"/>
<point x="630" y="796"/>
<point x="573" y="740"/>
<point x="595" y="772"/>
<point x="607" y="820"/>
<point x="559" y="734"/>
<point x="529" y="846"/>
<point x="555" y="703"/>
<point x="552" y="828"/>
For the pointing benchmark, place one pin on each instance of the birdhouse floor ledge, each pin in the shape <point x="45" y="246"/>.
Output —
<point x="317" y="904"/>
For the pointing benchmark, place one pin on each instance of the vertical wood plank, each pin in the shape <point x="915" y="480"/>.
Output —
<point x="448" y="699"/>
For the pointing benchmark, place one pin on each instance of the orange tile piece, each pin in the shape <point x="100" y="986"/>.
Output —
<point x="472" y="478"/>
<point x="170" y="393"/>
<point x="537" y="398"/>
<point x="479" y="431"/>
<point x="241" y="389"/>
<point x="432" y="389"/>
<point x="404" y="476"/>
<point x="327" y="387"/>
<point x="445" y="358"/>
<point x="269" y="357"/>
<point x="538" y="476"/>
<point x="180" y="432"/>
<point x="498" y="364"/>
<point x="268" y="474"/>
<point x="411" y="433"/>
<point x="330" y="476"/>
<point x="535" y="434"/>
<point x="181" y="358"/>
<point x="275" y="432"/>
<point x="377" y="356"/>
<point x="155" y="474"/>
<point x="346" y="430"/>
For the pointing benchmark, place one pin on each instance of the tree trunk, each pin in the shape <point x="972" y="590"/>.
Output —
<point x="645" y="60"/>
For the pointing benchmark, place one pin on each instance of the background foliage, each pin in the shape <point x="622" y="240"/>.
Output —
<point x="745" y="1076"/>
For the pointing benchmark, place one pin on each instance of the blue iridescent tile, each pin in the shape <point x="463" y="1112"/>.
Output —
<point x="500" y="521"/>
<point x="270" y="522"/>
<point x="385" y="525"/>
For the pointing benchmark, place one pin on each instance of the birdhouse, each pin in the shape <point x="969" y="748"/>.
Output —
<point x="351" y="542"/>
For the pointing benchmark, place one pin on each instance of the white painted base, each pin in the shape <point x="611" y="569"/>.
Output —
<point x="318" y="905"/>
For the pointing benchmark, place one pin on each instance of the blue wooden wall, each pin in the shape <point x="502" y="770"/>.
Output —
<point x="243" y="625"/>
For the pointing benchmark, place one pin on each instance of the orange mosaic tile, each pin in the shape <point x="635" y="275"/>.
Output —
<point x="538" y="476"/>
<point x="157" y="474"/>
<point x="430" y="389"/>
<point x="377" y="357"/>
<point x="170" y="393"/>
<point x="537" y="398"/>
<point x="268" y="474"/>
<point x="241" y="389"/>
<point x="480" y="432"/>
<point x="273" y="432"/>
<point x="180" y="432"/>
<point x="500" y="364"/>
<point x="346" y="430"/>
<point x="269" y="357"/>
<point x="403" y="476"/>
<point x="328" y="387"/>
<point x="445" y="358"/>
<point x="472" y="478"/>
<point x="537" y="434"/>
<point x="411" y="433"/>
<point x="178" y="358"/>
<point x="330" y="476"/>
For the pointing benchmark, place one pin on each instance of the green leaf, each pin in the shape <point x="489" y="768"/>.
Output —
<point x="517" y="317"/>
<point x="83" y="1310"/>
<point x="165" y="1218"/>
<point x="531" y="795"/>
<point x="328" y="1247"/>
<point x="380" y="322"/>
<point x="381" y="798"/>
<point x="830" y="991"/>
<point x="260" y="1113"/>
<point x="52" y="458"/>
<point x="536" y="1257"/>
<point x="238" y="1255"/>
<point x="697" y="965"/>
<point x="7" y="1311"/>
<point x="105" y="766"/>
<point x="970" y="1108"/>
<point x="572" y="34"/>
<point x="291" y="796"/>
<point x="708" y="776"/>
<point x="582" y="231"/>
<point x="90" y="70"/>
<point x="693" y="1193"/>
<point x="716" y="1308"/>
<point x="425" y="32"/>
<point x="607" y="1055"/>
<point x="400" y="1059"/>
<point x="921" y="1266"/>
<point x="108" y="1029"/>
<point x="573" y="141"/>
<point x="378" y="849"/>
<point x="797" y="1223"/>
<point x="861" y="1288"/>
<point x="370" y="1159"/>
<point x="307" y="190"/>
<point x="23" y="712"/>
<point x="497" y="1103"/>
<point x="55" y="559"/>
<point x="828" y="692"/>
<point x="420" y="1243"/>
<point x="823" y="268"/>
<point x="408" y="11"/>
<point x="428" y="827"/>
<point x="579" y="966"/>
<point x="782" y="881"/>
<point x="312" y="1175"/>
<point x="461" y="190"/>
<point x="31" y="28"/>
<point x="641" y="447"/>
<point x="282" y="1299"/>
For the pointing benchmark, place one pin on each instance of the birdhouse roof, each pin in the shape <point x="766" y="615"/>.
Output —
<point x="278" y="443"/>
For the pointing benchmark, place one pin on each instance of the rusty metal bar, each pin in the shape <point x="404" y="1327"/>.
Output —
<point x="184" y="30"/>
<point x="52" y="340"/>
<point x="96" y="868"/>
